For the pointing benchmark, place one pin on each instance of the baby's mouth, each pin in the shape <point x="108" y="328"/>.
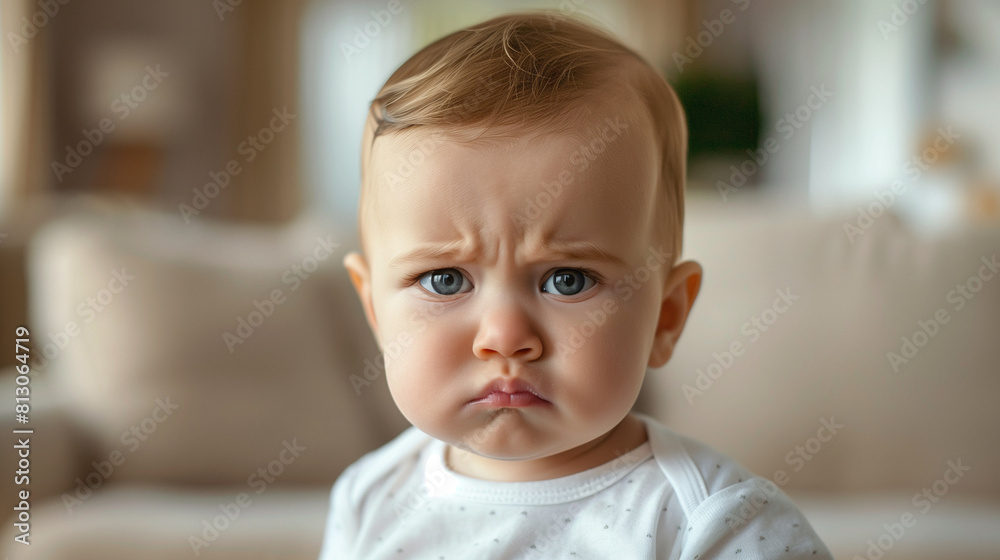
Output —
<point x="510" y="400"/>
<point x="509" y="392"/>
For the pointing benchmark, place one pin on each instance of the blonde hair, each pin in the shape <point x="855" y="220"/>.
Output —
<point x="528" y="71"/>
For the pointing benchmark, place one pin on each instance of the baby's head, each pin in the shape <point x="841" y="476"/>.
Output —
<point x="520" y="220"/>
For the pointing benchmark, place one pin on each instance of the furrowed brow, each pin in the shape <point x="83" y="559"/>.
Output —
<point x="582" y="251"/>
<point x="459" y="251"/>
<point x="454" y="251"/>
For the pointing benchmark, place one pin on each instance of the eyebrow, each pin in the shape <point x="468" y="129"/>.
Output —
<point x="554" y="250"/>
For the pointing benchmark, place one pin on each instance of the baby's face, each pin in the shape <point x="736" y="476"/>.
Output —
<point x="477" y="273"/>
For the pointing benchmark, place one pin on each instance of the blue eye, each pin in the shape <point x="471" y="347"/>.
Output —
<point x="444" y="282"/>
<point x="567" y="282"/>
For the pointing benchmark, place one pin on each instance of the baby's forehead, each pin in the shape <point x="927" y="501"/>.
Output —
<point x="574" y="182"/>
<point x="595" y="135"/>
<point x="606" y="157"/>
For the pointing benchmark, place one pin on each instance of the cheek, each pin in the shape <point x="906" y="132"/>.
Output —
<point x="604" y="353"/>
<point x="614" y="361"/>
<point x="423" y="359"/>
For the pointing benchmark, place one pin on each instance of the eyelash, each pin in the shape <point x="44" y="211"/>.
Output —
<point x="596" y="276"/>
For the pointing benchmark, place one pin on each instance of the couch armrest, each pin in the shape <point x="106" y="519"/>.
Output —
<point x="57" y="450"/>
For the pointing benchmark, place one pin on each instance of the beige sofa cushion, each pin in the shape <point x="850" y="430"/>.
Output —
<point x="159" y="344"/>
<point x="874" y="526"/>
<point x="826" y="356"/>
<point x="158" y="523"/>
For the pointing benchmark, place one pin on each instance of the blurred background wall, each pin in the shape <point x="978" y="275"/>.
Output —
<point x="143" y="103"/>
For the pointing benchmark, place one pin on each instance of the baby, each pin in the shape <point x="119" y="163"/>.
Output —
<point x="521" y="214"/>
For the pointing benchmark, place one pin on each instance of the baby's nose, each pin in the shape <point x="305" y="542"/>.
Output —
<point x="507" y="332"/>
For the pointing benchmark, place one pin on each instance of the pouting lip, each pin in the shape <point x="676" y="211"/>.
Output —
<point x="507" y="385"/>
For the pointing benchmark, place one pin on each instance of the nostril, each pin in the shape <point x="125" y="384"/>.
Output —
<point x="507" y="337"/>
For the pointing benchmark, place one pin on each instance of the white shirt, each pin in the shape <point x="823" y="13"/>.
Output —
<point x="670" y="498"/>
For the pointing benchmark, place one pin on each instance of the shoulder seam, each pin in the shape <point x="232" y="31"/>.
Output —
<point x="677" y="465"/>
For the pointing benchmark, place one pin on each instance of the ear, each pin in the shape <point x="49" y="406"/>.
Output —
<point x="357" y="267"/>
<point x="681" y="288"/>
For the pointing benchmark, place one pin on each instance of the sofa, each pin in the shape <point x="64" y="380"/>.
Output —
<point x="197" y="398"/>
<point x="202" y="384"/>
